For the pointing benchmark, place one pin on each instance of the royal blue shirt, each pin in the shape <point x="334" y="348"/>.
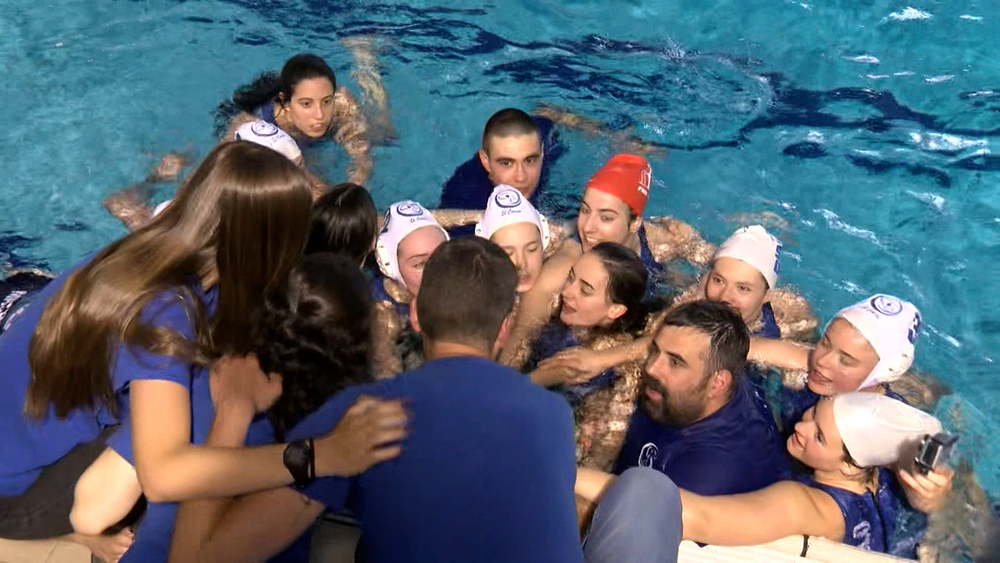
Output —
<point x="734" y="450"/>
<point x="28" y="444"/>
<point x="486" y="474"/>
<point x="470" y="187"/>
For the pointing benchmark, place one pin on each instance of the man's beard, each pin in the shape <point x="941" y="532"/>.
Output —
<point x="672" y="410"/>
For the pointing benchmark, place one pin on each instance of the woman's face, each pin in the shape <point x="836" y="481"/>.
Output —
<point x="841" y="361"/>
<point x="738" y="284"/>
<point x="311" y="107"/>
<point x="603" y="218"/>
<point x="816" y="440"/>
<point x="413" y="252"/>
<point x="585" y="295"/>
<point x="523" y="243"/>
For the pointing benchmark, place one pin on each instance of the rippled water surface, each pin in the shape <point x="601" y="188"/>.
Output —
<point x="864" y="131"/>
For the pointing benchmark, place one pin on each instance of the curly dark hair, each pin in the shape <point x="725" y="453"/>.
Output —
<point x="316" y="332"/>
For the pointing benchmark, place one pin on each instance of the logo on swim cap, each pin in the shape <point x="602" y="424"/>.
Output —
<point x="409" y="210"/>
<point x="886" y="305"/>
<point x="263" y="129"/>
<point x="508" y="199"/>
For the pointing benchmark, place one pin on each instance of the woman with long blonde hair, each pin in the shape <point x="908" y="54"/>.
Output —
<point x="127" y="338"/>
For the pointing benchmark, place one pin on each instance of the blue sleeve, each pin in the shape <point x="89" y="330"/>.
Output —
<point x="331" y="491"/>
<point x="135" y="363"/>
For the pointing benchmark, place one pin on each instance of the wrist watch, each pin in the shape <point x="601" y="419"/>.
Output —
<point x="300" y="462"/>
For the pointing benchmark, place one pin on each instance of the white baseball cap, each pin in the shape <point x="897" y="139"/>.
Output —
<point x="270" y="136"/>
<point x="401" y="219"/>
<point x="755" y="246"/>
<point x="877" y="430"/>
<point x="891" y="326"/>
<point x="507" y="206"/>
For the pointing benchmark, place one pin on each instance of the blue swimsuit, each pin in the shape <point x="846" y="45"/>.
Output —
<point x="555" y="337"/>
<point x="869" y="518"/>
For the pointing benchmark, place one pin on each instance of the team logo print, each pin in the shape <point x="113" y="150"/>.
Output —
<point x="645" y="179"/>
<point x="409" y="209"/>
<point x="648" y="454"/>
<point x="263" y="129"/>
<point x="888" y="306"/>
<point x="508" y="198"/>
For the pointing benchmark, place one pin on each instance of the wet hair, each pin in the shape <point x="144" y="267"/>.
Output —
<point x="468" y="289"/>
<point x="343" y="220"/>
<point x="729" y="337"/>
<point x="273" y="86"/>
<point x="868" y="473"/>
<point x="627" y="277"/>
<point x="506" y="123"/>
<point x="315" y="330"/>
<point x="237" y="223"/>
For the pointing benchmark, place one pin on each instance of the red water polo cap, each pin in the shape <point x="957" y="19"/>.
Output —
<point x="627" y="177"/>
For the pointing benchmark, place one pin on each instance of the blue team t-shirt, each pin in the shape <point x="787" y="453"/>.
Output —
<point x="486" y="474"/>
<point x="734" y="450"/>
<point x="28" y="444"/>
<point x="470" y="187"/>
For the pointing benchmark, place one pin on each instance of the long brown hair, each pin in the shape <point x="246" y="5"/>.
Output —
<point x="239" y="222"/>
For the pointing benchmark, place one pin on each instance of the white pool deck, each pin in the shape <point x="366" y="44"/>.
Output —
<point x="334" y="541"/>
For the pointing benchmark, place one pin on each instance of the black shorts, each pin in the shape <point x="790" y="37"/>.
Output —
<point x="42" y="512"/>
<point x="16" y="291"/>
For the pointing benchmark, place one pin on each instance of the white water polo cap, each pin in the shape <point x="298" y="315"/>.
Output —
<point x="507" y="206"/>
<point x="891" y="326"/>
<point x="755" y="246"/>
<point x="878" y="430"/>
<point x="270" y="136"/>
<point x="401" y="219"/>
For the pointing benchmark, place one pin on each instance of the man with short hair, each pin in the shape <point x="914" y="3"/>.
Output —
<point x="517" y="150"/>
<point x="488" y="468"/>
<point x="699" y="420"/>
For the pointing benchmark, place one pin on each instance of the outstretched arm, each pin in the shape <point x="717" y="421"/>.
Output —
<point x="784" y="509"/>
<point x="449" y="218"/>
<point x="622" y="141"/>
<point x="352" y="134"/>
<point x="130" y="205"/>
<point x="671" y="238"/>
<point x="779" y="353"/>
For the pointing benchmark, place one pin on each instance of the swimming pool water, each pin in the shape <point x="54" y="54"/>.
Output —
<point x="866" y="131"/>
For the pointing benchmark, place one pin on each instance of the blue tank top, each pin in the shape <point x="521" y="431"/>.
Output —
<point x="869" y="518"/>
<point x="756" y="374"/>
<point x="555" y="337"/>
<point x="653" y="268"/>
<point x="769" y="327"/>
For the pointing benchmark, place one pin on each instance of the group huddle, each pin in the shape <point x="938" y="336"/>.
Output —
<point x="483" y="381"/>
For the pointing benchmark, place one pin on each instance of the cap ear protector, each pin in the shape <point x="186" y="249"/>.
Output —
<point x="401" y="219"/>
<point x="383" y="257"/>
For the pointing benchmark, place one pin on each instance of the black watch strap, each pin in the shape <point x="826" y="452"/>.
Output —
<point x="300" y="462"/>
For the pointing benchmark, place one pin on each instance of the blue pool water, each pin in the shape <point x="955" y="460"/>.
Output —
<point x="869" y="129"/>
